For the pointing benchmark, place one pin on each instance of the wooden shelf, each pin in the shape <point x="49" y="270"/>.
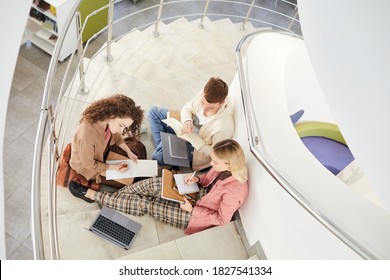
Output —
<point x="46" y="13"/>
<point x="45" y="45"/>
<point x="41" y="25"/>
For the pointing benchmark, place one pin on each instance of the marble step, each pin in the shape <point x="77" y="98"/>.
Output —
<point x="146" y="82"/>
<point x="76" y="242"/>
<point x="155" y="240"/>
<point x="217" y="243"/>
<point x="186" y="66"/>
<point x="168" y="43"/>
<point x="197" y="49"/>
<point x="255" y="257"/>
<point x="226" y="34"/>
<point x="211" y="62"/>
<point x="144" y="63"/>
<point x="207" y="41"/>
<point x="135" y="40"/>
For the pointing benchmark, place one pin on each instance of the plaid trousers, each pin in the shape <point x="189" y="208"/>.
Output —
<point x="144" y="197"/>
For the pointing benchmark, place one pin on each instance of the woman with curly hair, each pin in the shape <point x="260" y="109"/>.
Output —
<point x="103" y="127"/>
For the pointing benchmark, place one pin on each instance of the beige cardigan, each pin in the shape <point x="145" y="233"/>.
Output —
<point x="220" y="127"/>
<point x="88" y="147"/>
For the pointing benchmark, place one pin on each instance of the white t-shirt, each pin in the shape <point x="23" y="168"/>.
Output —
<point x="200" y="119"/>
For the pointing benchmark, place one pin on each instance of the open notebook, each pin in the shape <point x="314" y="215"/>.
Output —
<point x="169" y="189"/>
<point x="115" y="227"/>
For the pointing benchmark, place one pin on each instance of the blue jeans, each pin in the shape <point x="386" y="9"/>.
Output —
<point x="155" y="117"/>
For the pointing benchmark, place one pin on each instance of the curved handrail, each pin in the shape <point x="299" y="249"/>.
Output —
<point x="47" y="120"/>
<point x="273" y="171"/>
<point x="36" y="234"/>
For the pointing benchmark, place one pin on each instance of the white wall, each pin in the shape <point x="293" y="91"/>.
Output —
<point x="12" y="22"/>
<point x="348" y="44"/>
<point x="283" y="227"/>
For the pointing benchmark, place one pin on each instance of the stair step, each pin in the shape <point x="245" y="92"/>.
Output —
<point x="255" y="257"/>
<point x="169" y="43"/>
<point x="134" y="40"/>
<point x="185" y="69"/>
<point x="217" y="243"/>
<point x="166" y="79"/>
<point x="202" y="38"/>
<point x="144" y="77"/>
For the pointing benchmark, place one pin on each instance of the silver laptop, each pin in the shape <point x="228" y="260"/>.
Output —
<point x="174" y="150"/>
<point x="177" y="147"/>
<point x="115" y="227"/>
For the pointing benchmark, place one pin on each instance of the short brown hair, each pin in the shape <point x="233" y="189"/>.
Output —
<point x="216" y="90"/>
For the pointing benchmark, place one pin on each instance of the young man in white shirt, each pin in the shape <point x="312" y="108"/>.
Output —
<point x="209" y="115"/>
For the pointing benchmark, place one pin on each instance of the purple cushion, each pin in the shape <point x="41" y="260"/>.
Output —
<point x="332" y="154"/>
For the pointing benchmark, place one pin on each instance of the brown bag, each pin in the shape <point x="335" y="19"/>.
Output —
<point x="136" y="146"/>
<point x="65" y="173"/>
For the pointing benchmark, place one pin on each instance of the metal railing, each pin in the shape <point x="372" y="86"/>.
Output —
<point x="53" y="124"/>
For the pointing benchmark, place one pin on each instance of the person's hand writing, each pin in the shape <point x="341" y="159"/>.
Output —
<point x="121" y="167"/>
<point x="188" y="127"/>
<point x="186" y="206"/>
<point x="189" y="179"/>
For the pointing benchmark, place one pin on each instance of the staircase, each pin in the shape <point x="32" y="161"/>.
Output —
<point x="167" y="70"/>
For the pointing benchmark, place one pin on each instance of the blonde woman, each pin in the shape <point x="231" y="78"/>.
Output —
<point x="225" y="188"/>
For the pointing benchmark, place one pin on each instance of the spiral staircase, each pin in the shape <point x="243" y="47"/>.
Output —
<point x="166" y="62"/>
<point x="167" y="70"/>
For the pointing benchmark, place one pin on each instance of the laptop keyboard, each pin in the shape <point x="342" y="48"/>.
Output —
<point x="114" y="230"/>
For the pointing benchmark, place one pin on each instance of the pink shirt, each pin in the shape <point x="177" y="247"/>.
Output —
<point x="218" y="206"/>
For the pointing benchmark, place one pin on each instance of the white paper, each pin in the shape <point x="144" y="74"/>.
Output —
<point x="175" y="125"/>
<point x="141" y="168"/>
<point x="182" y="187"/>
<point x="193" y="138"/>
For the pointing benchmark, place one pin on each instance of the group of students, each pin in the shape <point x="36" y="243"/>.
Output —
<point x="209" y="115"/>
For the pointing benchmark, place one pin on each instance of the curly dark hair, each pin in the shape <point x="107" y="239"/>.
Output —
<point x="116" y="106"/>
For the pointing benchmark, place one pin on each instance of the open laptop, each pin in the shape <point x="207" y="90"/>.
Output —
<point x="115" y="227"/>
<point x="174" y="150"/>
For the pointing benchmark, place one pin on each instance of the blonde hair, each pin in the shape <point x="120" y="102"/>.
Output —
<point x="231" y="153"/>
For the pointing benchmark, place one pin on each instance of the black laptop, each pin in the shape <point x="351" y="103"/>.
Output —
<point x="115" y="227"/>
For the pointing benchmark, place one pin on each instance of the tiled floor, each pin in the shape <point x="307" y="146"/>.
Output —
<point x="22" y="119"/>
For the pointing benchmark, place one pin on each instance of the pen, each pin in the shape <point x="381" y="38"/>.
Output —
<point x="192" y="176"/>
<point x="123" y="166"/>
